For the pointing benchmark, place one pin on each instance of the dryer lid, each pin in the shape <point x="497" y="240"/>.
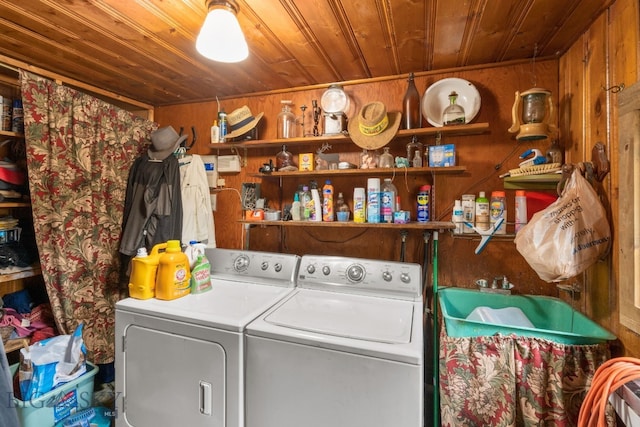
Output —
<point x="358" y="317"/>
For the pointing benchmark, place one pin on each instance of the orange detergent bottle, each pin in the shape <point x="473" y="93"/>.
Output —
<point x="142" y="281"/>
<point x="172" y="280"/>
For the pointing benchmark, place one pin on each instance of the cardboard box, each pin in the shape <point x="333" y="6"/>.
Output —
<point x="305" y="161"/>
<point x="442" y="155"/>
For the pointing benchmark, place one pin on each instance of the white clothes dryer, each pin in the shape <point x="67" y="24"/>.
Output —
<point x="181" y="362"/>
<point x="344" y="349"/>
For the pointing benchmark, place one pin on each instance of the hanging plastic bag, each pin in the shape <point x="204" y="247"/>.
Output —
<point x="568" y="236"/>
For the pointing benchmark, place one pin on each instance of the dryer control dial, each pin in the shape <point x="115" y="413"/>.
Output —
<point x="326" y="270"/>
<point x="355" y="273"/>
<point x="405" y="278"/>
<point x="386" y="276"/>
<point x="264" y="266"/>
<point x="311" y="269"/>
<point x="278" y="267"/>
<point x="241" y="263"/>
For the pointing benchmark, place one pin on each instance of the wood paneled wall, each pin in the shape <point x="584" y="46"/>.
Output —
<point x="485" y="157"/>
<point x="605" y="57"/>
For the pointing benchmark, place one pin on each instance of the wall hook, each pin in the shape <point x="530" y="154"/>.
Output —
<point x="614" y="88"/>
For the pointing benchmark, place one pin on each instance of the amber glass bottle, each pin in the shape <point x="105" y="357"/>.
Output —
<point x="411" y="118"/>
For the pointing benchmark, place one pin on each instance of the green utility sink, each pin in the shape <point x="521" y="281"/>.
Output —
<point x="552" y="318"/>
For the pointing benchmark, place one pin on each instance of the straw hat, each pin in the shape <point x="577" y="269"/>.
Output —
<point x="241" y="121"/>
<point x="374" y="127"/>
<point x="164" y="142"/>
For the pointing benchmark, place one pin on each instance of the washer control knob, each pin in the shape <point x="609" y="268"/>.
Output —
<point x="326" y="270"/>
<point x="241" y="263"/>
<point x="355" y="273"/>
<point x="386" y="276"/>
<point x="277" y="267"/>
<point x="405" y="278"/>
<point x="264" y="265"/>
<point x="311" y="269"/>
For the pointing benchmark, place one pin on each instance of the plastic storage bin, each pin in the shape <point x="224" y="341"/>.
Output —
<point x="553" y="319"/>
<point x="59" y="403"/>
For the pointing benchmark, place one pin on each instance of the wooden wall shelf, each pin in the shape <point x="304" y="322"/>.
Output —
<point x="469" y="129"/>
<point x="431" y="225"/>
<point x="354" y="172"/>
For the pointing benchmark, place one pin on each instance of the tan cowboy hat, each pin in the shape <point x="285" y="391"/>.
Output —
<point x="241" y="121"/>
<point x="374" y="127"/>
<point x="164" y="141"/>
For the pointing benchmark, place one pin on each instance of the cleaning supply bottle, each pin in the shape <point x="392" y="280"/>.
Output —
<point x="423" y="209"/>
<point x="316" y="215"/>
<point x="373" y="200"/>
<point x="193" y="250"/>
<point x="307" y="203"/>
<point x="296" y="208"/>
<point x="498" y="210"/>
<point x="521" y="209"/>
<point x="359" y="205"/>
<point x="142" y="281"/>
<point x="174" y="273"/>
<point x="327" y="201"/>
<point x="388" y="200"/>
<point x="215" y="132"/>
<point x="457" y="217"/>
<point x="482" y="212"/>
<point x="200" y="275"/>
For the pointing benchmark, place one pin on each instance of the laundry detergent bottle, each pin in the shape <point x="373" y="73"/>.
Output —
<point x="172" y="280"/>
<point x="142" y="281"/>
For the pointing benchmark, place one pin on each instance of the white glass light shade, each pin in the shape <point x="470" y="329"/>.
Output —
<point x="221" y="37"/>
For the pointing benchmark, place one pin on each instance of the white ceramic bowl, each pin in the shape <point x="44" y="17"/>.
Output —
<point x="436" y="99"/>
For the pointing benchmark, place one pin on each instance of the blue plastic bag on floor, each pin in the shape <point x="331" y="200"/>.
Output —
<point x="50" y="363"/>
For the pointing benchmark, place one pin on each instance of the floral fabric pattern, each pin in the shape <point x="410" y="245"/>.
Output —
<point x="514" y="381"/>
<point x="79" y="152"/>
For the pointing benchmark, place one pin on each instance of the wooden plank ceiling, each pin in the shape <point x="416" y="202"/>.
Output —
<point x="145" y="49"/>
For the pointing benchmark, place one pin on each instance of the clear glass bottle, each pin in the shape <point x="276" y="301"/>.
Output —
<point x="286" y="122"/>
<point x="414" y="152"/>
<point x="554" y="153"/>
<point x="411" y="118"/>
<point x="386" y="159"/>
<point x="454" y="113"/>
<point x="342" y="209"/>
<point x="284" y="160"/>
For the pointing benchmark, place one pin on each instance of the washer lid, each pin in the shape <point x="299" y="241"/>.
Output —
<point x="228" y="305"/>
<point x="359" y="317"/>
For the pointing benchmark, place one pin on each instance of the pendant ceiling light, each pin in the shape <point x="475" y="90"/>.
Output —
<point x="221" y="37"/>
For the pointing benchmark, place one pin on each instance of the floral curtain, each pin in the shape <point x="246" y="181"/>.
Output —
<point x="511" y="380"/>
<point x="79" y="152"/>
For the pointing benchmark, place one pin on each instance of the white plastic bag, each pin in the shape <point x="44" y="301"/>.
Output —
<point x="568" y="236"/>
<point x="50" y="363"/>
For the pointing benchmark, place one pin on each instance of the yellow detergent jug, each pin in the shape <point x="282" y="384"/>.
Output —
<point x="172" y="280"/>
<point x="142" y="281"/>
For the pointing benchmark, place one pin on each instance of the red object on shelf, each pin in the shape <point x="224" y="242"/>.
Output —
<point x="538" y="200"/>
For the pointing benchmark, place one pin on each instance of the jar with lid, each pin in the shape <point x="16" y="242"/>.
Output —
<point x="286" y="122"/>
<point x="386" y="159"/>
<point x="414" y="152"/>
<point x="454" y="113"/>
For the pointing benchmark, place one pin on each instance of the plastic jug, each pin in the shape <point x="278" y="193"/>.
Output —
<point x="142" y="281"/>
<point x="172" y="280"/>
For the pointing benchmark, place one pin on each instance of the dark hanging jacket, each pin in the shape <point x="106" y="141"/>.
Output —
<point x="153" y="204"/>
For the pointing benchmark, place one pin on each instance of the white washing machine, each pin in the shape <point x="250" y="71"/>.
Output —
<point x="181" y="362"/>
<point x="344" y="349"/>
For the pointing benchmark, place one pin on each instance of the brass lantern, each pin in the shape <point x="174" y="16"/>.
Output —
<point x="532" y="115"/>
